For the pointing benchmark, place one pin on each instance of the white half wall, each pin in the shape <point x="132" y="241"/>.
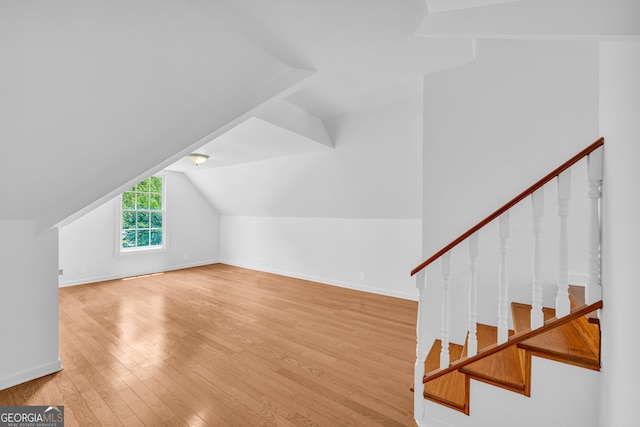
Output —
<point x="372" y="255"/>
<point x="88" y="245"/>
<point x="28" y="302"/>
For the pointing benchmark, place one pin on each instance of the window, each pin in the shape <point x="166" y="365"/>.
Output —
<point x="142" y="216"/>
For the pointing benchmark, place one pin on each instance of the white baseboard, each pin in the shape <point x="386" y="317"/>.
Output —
<point x="435" y="422"/>
<point x="31" y="374"/>
<point x="354" y="286"/>
<point x="94" y="279"/>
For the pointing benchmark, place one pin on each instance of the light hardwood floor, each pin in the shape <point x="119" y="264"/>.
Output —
<point x="224" y="346"/>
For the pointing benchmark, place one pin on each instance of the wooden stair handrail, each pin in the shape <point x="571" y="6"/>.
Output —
<point x="566" y="165"/>
<point x="513" y="340"/>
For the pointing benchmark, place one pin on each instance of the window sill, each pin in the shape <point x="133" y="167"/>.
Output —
<point x="141" y="251"/>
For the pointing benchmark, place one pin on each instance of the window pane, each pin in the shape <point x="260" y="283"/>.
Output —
<point x="156" y="237"/>
<point x="155" y="201"/>
<point x="143" y="238"/>
<point x="128" y="200"/>
<point x="156" y="184"/>
<point x="128" y="220"/>
<point x="143" y="186"/>
<point x="142" y="215"/>
<point x="156" y="219"/>
<point x="129" y="239"/>
<point x="143" y="219"/>
<point x="142" y="200"/>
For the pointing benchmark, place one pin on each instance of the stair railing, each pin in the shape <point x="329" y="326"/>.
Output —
<point x="593" y="292"/>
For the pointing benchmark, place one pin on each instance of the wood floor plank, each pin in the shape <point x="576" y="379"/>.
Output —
<point x="224" y="346"/>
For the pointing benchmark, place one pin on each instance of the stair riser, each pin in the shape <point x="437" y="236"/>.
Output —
<point x="562" y="358"/>
<point x="511" y="387"/>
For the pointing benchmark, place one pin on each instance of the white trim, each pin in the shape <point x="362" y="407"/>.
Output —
<point x="434" y="422"/>
<point x="31" y="374"/>
<point x="355" y="287"/>
<point x="95" y="279"/>
<point x="142" y="250"/>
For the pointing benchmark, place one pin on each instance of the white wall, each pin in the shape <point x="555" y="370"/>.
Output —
<point x="28" y="302"/>
<point x="328" y="250"/>
<point x="331" y="215"/>
<point x="620" y="125"/>
<point x="88" y="245"/>
<point x="495" y="126"/>
<point x="491" y="129"/>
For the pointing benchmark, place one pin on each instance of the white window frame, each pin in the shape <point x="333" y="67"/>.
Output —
<point x="120" y="251"/>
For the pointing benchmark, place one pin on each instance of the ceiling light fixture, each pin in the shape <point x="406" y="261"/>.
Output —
<point x="198" y="159"/>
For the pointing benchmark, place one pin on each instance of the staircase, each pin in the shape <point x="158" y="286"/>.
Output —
<point x="495" y="354"/>
<point x="576" y="342"/>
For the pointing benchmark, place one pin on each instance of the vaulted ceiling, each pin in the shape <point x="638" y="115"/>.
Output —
<point x="96" y="95"/>
<point x="364" y="54"/>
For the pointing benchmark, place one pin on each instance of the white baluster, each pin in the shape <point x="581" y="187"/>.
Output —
<point x="593" y="291"/>
<point x="503" y="283"/>
<point x="563" y="306"/>
<point x="537" y="210"/>
<point x="472" y="339"/>
<point x="421" y="349"/>
<point x="446" y="314"/>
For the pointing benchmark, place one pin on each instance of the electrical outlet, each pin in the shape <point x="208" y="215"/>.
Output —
<point x="60" y="272"/>
<point x="186" y="257"/>
<point x="362" y="275"/>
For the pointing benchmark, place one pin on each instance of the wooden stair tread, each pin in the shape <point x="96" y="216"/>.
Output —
<point x="566" y="343"/>
<point x="504" y="369"/>
<point x="451" y="390"/>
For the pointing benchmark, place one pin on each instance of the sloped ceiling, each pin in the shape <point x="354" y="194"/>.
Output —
<point x="364" y="51"/>
<point x="364" y="54"/>
<point x="365" y="98"/>
<point x="96" y="95"/>
<point x="374" y="171"/>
